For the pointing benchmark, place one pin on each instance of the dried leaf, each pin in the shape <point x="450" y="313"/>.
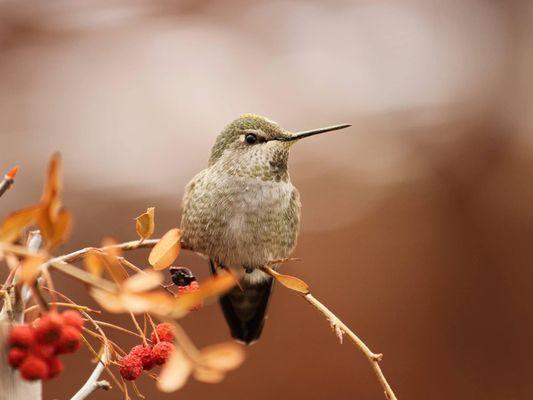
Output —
<point x="52" y="186"/>
<point x="222" y="357"/>
<point x="175" y="372"/>
<point x="93" y="263"/>
<point x="111" y="302"/>
<point x="30" y="269"/>
<point x="210" y="288"/>
<point x="153" y="302"/>
<point x="110" y="261"/>
<point x="143" y="281"/>
<point x="166" y="250"/>
<point x="14" y="225"/>
<point x="145" y="224"/>
<point x="61" y="228"/>
<point x="84" y="276"/>
<point x="290" y="282"/>
<point x="208" y="375"/>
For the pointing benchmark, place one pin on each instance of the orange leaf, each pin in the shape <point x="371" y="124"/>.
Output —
<point x="153" y="302"/>
<point x="52" y="186"/>
<point x="166" y="250"/>
<point x="61" y="228"/>
<point x="175" y="372"/>
<point x="208" y="375"/>
<point x="111" y="263"/>
<point x="15" y="223"/>
<point x="30" y="269"/>
<point x="143" y="281"/>
<point x="145" y="223"/>
<point x="290" y="282"/>
<point x="93" y="263"/>
<point x="212" y="287"/>
<point x="222" y="357"/>
<point x="111" y="302"/>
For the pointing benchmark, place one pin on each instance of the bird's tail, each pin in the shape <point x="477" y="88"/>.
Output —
<point x="245" y="307"/>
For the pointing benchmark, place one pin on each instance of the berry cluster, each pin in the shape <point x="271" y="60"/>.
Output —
<point x="145" y="358"/>
<point x="185" y="281"/>
<point x="34" y="348"/>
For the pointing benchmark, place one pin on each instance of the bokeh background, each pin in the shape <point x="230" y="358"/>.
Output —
<point x="417" y="222"/>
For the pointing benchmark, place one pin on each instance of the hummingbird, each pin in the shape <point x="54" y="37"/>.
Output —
<point x="242" y="211"/>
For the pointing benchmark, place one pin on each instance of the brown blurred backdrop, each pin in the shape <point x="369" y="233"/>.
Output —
<point x="417" y="222"/>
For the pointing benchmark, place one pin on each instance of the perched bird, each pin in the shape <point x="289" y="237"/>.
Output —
<point x="242" y="211"/>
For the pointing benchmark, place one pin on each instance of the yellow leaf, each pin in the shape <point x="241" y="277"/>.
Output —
<point x="290" y="282"/>
<point x="166" y="250"/>
<point x="30" y="269"/>
<point x="222" y="357"/>
<point x="14" y="225"/>
<point x="145" y="224"/>
<point x="143" y="281"/>
<point x="175" y="372"/>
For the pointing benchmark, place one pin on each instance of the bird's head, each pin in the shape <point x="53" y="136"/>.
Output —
<point x="256" y="147"/>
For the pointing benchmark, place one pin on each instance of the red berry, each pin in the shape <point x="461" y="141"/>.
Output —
<point x="22" y="336"/>
<point x="164" y="331"/>
<point x="33" y="368"/>
<point x="48" y="328"/>
<point x="16" y="356"/>
<point x="131" y="367"/>
<point x="145" y="354"/>
<point x="44" y="351"/>
<point x="73" y="318"/>
<point x="69" y="341"/>
<point x="190" y="288"/>
<point x="161" y="351"/>
<point x="55" y="367"/>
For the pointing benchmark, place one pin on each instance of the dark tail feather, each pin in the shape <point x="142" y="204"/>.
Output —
<point x="245" y="308"/>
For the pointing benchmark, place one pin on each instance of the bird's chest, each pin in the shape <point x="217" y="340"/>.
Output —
<point x="247" y="221"/>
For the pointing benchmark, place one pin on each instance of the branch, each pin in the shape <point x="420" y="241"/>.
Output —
<point x="8" y="180"/>
<point x="93" y="383"/>
<point x="337" y="325"/>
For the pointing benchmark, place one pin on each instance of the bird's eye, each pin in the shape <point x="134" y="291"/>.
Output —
<point x="250" y="138"/>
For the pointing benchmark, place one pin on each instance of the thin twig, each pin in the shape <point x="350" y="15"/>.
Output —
<point x="93" y="383"/>
<point x="8" y="180"/>
<point x="338" y="327"/>
<point x="141" y="333"/>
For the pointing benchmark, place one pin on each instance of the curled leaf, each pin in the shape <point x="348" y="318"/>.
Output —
<point x="54" y="226"/>
<point x="145" y="224"/>
<point x="289" y="281"/>
<point x="52" y="186"/>
<point x="175" y="373"/>
<point x="166" y="250"/>
<point x="15" y="223"/>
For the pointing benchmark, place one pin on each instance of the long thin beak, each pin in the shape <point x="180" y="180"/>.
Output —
<point x="300" y="135"/>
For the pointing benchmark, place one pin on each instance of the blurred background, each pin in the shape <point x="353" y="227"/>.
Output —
<point x="417" y="221"/>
